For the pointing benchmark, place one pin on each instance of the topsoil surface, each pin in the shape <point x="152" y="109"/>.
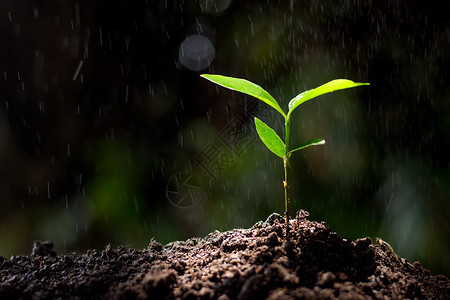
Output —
<point x="253" y="263"/>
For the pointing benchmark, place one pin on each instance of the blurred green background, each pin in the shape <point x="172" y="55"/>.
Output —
<point x="109" y="135"/>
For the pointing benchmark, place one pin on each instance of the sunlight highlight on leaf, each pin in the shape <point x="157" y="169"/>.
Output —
<point x="270" y="138"/>
<point x="246" y="87"/>
<point x="334" y="85"/>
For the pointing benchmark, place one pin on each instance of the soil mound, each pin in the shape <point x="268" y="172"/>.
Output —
<point x="253" y="263"/>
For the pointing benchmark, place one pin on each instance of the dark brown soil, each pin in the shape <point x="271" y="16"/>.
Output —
<point x="252" y="263"/>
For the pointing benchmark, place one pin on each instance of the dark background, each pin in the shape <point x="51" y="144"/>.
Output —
<point x="109" y="135"/>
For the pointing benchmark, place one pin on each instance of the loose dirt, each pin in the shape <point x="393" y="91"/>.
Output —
<point x="253" y="263"/>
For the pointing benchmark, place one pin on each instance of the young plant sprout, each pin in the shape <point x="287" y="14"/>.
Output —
<point x="267" y="134"/>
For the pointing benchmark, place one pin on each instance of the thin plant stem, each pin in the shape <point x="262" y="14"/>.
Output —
<point x="287" y="125"/>
<point x="286" y="195"/>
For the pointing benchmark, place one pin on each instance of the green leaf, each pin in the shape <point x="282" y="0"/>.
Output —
<point x="334" y="85"/>
<point x="246" y="87"/>
<point x="270" y="138"/>
<point x="313" y="142"/>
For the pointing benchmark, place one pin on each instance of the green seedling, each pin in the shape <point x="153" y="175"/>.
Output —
<point x="268" y="136"/>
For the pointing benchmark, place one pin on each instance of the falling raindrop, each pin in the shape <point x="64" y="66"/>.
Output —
<point x="77" y="71"/>
<point x="100" y="36"/>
